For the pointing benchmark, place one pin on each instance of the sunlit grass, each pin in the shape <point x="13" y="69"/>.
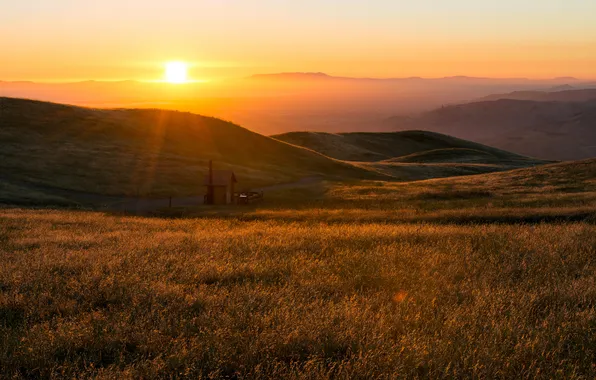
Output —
<point x="92" y="295"/>
<point x="488" y="276"/>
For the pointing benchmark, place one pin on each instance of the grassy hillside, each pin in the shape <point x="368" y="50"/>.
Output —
<point x="448" y="278"/>
<point x="410" y="155"/>
<point x="48" y="148"/>
<point x="371" y="147"/>
<point x="550" y="130"/>
<point x="547" y="188"/>
<point x="449" y="162"/>
<point x="422" y="171"/>
<point x="143" y="151"/>
<point x="562" y="191"/>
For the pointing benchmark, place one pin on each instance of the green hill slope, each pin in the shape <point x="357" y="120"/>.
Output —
<point x="143" y="152"/>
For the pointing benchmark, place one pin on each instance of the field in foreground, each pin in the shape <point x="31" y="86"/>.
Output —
<point x="87" y="294"/>
<point x="379" y="280"/>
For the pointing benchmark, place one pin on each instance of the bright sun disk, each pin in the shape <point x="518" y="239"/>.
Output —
<point x="176" y="72"/>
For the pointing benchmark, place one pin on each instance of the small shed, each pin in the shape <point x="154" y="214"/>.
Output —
<point x="220" y="187"/>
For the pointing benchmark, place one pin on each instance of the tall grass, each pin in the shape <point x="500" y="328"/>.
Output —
<point x="92" y="295"/>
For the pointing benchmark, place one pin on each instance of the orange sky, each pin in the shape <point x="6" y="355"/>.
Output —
<point x="68" y="40"/>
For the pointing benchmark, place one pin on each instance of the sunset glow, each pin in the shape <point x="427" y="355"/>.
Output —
<point x="235" y="39"/>
<point x="176" y="72"/>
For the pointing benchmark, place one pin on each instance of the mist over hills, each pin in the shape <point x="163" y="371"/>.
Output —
<point x="537" y="118"/>
<point x="300" y="76"/>
<point x="568" y="95"/>
<point x="285" y="102"/>
<point x="552" y="130"/>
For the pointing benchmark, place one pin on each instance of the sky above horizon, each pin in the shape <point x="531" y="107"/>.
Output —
<point x="64" y="40"/>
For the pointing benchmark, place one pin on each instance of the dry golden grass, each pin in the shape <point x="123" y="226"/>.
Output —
<point x="433" y="279"/>
<point x="90" y="295"/>
<point x="559" y="192"/>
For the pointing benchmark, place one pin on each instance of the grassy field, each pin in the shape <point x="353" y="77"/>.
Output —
<point x="366" y="280"/>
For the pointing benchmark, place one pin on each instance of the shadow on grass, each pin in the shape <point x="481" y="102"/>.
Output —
<point x="585" y="217"/>
<point x="453" y="195"/>
<point x="365" y="216"/>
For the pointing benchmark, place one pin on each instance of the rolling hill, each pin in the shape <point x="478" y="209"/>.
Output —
<point x="410" y="155"/>
<point x="406" y="146"/>
<point x="551" y="130"/>
<point x="49" y="148"/>
<point x="449" y="155"/>
<point x="143" y="152"/>
<point x="570" y="177"/>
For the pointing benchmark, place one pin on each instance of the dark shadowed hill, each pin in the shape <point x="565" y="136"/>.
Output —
<point x="547" y="130"/>
<point x="143" y="151"/>
<point x="447" y="155"/>
<point x="406" y="146"/>
<point x="410" y="155"/>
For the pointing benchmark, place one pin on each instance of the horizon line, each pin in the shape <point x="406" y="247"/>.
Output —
<point x="288" y="73"/>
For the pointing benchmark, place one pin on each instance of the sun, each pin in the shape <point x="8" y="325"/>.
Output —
<point x="176" y="72"/>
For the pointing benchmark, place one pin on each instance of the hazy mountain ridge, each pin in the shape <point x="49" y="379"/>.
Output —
<point x="544" y="129"/>
<point x="278" y="103"/>
<point x="568" y="95"/>
<point x="320" y="75"/>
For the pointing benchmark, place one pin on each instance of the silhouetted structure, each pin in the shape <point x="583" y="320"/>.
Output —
<point x="220" y="186"/>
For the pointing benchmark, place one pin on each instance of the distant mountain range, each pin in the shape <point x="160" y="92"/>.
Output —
<point x="567" y="95"/>
<point x="547" y="129"/>
<point x="285" y="102"/>
<point x="319" y="76"/>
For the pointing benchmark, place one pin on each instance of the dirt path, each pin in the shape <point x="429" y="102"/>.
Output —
<point x="144" y="205"/>
<point x="136" y="205"/>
